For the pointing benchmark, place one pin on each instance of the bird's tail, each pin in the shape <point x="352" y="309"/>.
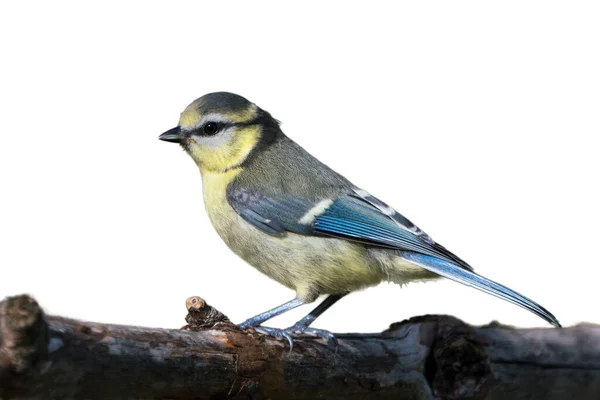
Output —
<point x="469" y="278"/>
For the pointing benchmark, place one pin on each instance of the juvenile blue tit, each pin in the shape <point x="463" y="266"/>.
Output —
<point x="301" y="223"/>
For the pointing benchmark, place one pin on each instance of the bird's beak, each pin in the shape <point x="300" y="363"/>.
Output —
<point x="172" y="135"/>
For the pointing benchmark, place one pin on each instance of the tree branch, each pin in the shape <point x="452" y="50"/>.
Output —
<point x="48" y="357"/>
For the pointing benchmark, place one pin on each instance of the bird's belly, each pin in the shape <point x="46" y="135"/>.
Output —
<point x="310" y="265"/>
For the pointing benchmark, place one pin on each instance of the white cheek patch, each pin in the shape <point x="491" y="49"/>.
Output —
<point x="314" y="212"/>
<point x="222" y="138"/>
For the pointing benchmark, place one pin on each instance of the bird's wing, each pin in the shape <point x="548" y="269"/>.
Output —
<point x="273" y="214"/>
<point x="355" y="215"/>
<point x="362" y="217"/>
<point x="358" y="216"/>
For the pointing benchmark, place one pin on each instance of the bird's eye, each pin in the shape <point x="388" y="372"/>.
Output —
<point x="210" y="128"/>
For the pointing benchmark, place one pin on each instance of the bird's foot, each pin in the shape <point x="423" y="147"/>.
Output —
<point x="276" y="333"/>
<point x="326" y="336"/>
<point x="295" y="332"/>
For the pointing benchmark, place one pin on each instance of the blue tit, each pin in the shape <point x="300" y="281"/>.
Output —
<point x="301" y="223"/>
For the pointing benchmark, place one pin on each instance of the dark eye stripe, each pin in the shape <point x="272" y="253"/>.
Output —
<point x="221" y="126"/>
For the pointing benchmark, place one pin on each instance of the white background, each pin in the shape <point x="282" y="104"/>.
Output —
<point x="479" y="122"/>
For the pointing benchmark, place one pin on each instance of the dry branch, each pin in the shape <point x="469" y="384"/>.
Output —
<point x="47" y="357"/>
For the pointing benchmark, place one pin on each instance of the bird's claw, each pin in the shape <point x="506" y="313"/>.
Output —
<point x="323" y="334"/>
<point x="327" y="336"/>
<point x="296" y="332"/>
<point x="276" y="333"/>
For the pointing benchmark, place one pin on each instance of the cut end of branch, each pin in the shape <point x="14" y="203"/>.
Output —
<point x="23" y="334"/>
<point x="195" y="303"/>
<point x="203" y="316"/>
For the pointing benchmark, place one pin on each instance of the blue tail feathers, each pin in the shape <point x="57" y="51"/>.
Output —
<point x="469" y="278"/>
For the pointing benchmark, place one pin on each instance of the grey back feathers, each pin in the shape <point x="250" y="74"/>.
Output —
<point x="283" y="167"/>
<point x="280" y="183"/>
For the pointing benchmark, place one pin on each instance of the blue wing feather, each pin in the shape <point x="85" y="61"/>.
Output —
<point x="274" y="216"/>
<point x="354" y="218"/>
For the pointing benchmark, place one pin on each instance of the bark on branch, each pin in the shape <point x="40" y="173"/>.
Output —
<point x="48" y="357"/>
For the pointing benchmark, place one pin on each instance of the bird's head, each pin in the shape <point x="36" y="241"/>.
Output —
<point x="220" y="130"/>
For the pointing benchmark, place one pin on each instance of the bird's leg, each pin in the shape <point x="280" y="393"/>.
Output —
<point x="302" y="326"/>
<point x="255" y="321"/>
<point x="260" y="318"/>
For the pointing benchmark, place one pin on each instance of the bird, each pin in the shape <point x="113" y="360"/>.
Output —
<point x="301" y="223"/>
